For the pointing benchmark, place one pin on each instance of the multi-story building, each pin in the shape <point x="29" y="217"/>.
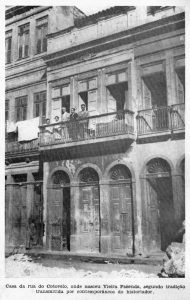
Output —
<point x="113" y="179"/>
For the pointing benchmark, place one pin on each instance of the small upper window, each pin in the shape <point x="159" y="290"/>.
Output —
<point x="41" y="34"/>
<point x="8" y="46"/>
<point x="24" y="41"/>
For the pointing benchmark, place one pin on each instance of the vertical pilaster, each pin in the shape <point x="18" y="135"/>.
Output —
<point x="105" y="220"/>
<point x="170" y="79"/>
<point x="29" y="195"/>
<point x="45" y="209"/>
<point x="104" y="104"/>
<point x="178" y="199"/>
<point x="75" y="213"/>
<point x="9" y="195"/>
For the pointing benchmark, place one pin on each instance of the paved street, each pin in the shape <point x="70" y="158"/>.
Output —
<point x="20" y="265"/>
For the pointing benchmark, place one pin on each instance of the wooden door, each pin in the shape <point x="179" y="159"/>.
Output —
<point x="55" y="214"/>
<point x="89" y="218"/>
<point x="153" y="216"/>
<point x="121" y="218"/>
<point x="19" y="218"/>
<point x="59" y="218"/>
<point x="37" y="213"/>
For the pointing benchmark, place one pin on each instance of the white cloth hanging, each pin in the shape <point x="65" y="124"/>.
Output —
<point x="11" y="127"/>
<point x="28" y="130"/>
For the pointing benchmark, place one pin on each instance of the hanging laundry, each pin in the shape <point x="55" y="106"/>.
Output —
<point x="11" y="127"/>
<point x="28" y="130"/>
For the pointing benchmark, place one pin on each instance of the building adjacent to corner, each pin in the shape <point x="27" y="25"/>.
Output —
<point x="112" y="182"/>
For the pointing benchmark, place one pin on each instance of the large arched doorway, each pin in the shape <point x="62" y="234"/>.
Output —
<point x="159" y="203"/>
<point x="59" y="211"/>
<point x="121" y="210"/>
<point x="89" y="205"/>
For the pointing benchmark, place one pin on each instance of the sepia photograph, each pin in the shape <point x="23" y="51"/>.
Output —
<point x="95" y="142"/>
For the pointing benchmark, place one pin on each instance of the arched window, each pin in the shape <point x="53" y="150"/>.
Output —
<point x="60" y="177"/>
<point x="120" y="172"/>
<point x="158" y="165"/>
<point x="88" y="175"/>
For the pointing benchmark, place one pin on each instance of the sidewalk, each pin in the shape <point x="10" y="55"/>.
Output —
<point x="154" y="259"/>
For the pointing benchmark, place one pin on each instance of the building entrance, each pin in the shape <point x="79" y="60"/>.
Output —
<point x="159" y="195"/>
<point x="121" y="211"/>
<point x="89" y="204"/>
<point x="59" y="212"/>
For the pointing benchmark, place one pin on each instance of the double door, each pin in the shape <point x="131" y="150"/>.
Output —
<point x="89" y="225"/>
<point x="59" y="218"/>
<point x="121" y="218"/>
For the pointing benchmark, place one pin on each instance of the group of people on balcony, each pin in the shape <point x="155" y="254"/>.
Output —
<point x="68" y="127"/>
<point x="78" y="126"/>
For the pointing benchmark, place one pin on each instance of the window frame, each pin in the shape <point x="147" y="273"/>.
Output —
<point x="40" y="102"/>
<point x="8" y="42"/>
<point x="22" y="107"/>
<point x="43" y="37"/>
<point x="23" y="41"/>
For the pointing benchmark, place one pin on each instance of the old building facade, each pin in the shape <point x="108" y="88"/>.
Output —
<point x="112" y="180"/>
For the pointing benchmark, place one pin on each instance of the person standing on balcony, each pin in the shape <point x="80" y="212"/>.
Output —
<point x="83" y="122"/>
<point x="48" y="132"/>
<point x="57" y="129"/>
<point x="65" y="118"/>
<point x="73" y="124"/>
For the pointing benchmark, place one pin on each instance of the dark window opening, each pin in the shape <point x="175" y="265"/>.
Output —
<point x="84" y="98"/>
<point x="40" y="106"/>
<point x="155" y="90"/>
<point x="66" y="102"/>
<point x="20" y="178"/>
<point x="21" y="108"/>
<point x="117" y="96"/>
<point x="6" y="110"/>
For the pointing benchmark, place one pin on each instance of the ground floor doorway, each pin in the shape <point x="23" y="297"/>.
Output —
<point x="59" y="212"/>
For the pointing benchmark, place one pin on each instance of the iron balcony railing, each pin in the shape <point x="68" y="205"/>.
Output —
<point x="93" y="127"/>
<point x="161" y="119"/>
<point x="12" y="147"/>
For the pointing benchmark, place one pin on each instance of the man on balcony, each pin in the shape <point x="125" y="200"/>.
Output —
<point x="73" y="125"/>
<point x="65" y="118"/>
<point x="83" y="122"/>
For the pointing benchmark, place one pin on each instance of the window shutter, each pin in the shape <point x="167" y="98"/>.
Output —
<point x="92" y="101"/>
<point x="38" y="46"/>
<point x="20" y="51"/>
<point x="26" y="50"/>
<point x="45" y="44"/>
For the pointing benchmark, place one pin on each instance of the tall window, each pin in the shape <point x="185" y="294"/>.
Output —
<point x="87" y="92"/>
<point x="41" y="33"/>
<point x="8" y="45"/>
<point x="6" y="110"/>
<point x="24" y="41"/>
<point x="21" y="108"/>
<point x="40" y="105"/>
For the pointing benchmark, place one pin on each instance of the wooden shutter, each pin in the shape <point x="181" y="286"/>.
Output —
<point x="56" y="109"/>
<point x="92" y="101"/>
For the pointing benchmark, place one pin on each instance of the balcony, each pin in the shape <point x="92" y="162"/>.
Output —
<point x="19" y="150"/>
<point x="161" y="121"/>
<point x="94" y="135"/>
